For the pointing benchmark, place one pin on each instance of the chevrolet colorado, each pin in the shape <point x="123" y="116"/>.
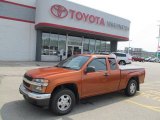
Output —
<point x="77" y="77"/>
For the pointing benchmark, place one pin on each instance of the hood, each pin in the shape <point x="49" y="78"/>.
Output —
<point x="45" y="72"/>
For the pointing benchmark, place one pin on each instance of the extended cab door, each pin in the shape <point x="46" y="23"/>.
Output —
<point x="105" y="79"/>
<point x="95" y="82"/>
<point x="114" y="75"/>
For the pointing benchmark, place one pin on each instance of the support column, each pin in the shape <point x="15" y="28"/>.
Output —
<point x="38" y="45"/>
<point x="113" y="45"/>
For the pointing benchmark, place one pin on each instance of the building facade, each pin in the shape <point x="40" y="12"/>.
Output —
<point x="43" y="30"/>
<point x="139" y="52"/>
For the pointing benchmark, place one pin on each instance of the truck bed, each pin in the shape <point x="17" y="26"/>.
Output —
<point x="130" y="67"/>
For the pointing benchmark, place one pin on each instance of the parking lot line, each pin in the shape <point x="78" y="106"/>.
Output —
<point x="150" y="94"/>
<point x="153" y="95"/>
<point x="153" y="108"/>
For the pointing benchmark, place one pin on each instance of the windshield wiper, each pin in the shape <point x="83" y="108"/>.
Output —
<point x="62" y="66"/>
<point x="66" y="67"/>
<point x="57" y="66"/>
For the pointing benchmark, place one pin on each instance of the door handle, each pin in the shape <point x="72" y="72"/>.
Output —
<point x="106" y="74"/>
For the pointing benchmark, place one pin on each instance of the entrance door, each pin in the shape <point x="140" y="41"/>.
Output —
<point x="74" y="50"/>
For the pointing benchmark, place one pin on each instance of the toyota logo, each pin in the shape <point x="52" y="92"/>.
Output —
<point x="59" y="11"/>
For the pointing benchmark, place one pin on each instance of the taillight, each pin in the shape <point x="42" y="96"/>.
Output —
<point x="129" y="58"/>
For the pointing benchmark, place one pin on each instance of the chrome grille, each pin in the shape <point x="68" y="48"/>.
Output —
<point x="26" y="84"/>
<point x="28" y="78"/>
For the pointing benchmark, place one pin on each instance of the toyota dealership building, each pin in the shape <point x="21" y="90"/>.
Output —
<point x="44" y="30"/>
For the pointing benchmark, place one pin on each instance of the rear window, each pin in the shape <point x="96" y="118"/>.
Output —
<point x="120" y="55"/>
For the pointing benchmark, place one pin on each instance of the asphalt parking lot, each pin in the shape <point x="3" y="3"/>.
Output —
<point x="116" y="106"/>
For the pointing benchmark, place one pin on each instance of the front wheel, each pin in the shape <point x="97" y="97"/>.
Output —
<point x="131" y="88"/>
<point x="62" y="102"/>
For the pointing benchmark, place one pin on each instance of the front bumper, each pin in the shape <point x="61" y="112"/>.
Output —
<point x="37" y="98"/>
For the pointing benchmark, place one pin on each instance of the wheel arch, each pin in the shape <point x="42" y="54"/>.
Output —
<point x="71" y="86"/>
<point x="136" y="78"/>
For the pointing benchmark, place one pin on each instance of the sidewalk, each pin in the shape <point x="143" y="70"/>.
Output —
<point x="25" y="64"/>
<point x="9" y="68"/>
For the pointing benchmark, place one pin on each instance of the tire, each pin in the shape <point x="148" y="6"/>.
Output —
<point x="122" y="62"/>
<point x="131" y="88"/>
<point x="62" y="102"/>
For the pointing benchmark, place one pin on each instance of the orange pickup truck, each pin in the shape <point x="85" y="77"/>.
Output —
<point x="77" y="77"/>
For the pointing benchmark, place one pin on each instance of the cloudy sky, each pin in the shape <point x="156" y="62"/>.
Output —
<point x="143" y="14"/>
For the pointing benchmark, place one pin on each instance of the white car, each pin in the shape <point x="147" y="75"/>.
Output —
<point x="123" y="58"/>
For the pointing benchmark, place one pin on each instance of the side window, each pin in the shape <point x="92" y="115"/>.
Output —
<point x="98" y="64"/>
<point x="123" y="55"/>
<point x="116" y="54"/>
<point x="112" y="62"/>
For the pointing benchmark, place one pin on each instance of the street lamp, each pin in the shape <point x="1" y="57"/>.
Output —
<point x="129" y="45"/>
<point x="158" y="47"/>
<point x="158" y="38"/>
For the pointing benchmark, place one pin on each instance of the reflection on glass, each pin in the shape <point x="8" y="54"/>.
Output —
<point x="62" y="44"/>
<point x="108" y="46"/>
<point x="53" y="44"/>
<point x="75" y="62"/>
<point x="86" y="45"/>
<point x="103" y="46"/>
<point x="45" y="44"/>
<point x="92" y="46"/>
<point x="98" y="46"/>
<point x="74" y="40"/>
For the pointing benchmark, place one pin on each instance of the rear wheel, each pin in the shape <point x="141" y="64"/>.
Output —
<point x="62" y="102"/>
<point x="122" y="62"/>
<point x="131" y="88"/>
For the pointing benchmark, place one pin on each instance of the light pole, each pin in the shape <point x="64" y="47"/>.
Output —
<point x="129" y="45"/>
<point x="158" y="38"/>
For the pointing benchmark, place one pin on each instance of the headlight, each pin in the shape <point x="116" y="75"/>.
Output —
<point x="39" y="85"/>
<point x="40" y="82"/>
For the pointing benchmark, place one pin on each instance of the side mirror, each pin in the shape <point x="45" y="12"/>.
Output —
<point x="90" y="69"/>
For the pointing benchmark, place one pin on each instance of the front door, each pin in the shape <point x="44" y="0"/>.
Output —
<point x="95" y="82"/>
<point x="73" y="50"/>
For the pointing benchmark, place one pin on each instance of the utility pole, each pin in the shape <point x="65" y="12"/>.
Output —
<point x="158" y="42"/>
<point x="129" y="46"/>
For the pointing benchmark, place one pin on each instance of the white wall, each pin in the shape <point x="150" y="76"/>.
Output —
<point x="25" y="2"/>
<point x="17" y="41"/>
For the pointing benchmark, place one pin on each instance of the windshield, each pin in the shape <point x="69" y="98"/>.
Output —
<point x="74" y="62"/>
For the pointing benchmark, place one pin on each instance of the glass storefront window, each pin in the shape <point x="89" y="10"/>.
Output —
<point x="103" y="46"/>
<point x="74" y="40"/>
<point x="92" y="46"/>
<point x="108" y="46"/>
<point x="62" y="44"/>
<point x="86" y="45"/>
<point x="98" y="46"/>
<point x="53" y="44"/>
<point x="45" y="44"/>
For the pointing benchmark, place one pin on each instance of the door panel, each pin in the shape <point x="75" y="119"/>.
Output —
<point x="113" y="81"/>
<point x="94" y="83"/>
<point x="103" y="80"/>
